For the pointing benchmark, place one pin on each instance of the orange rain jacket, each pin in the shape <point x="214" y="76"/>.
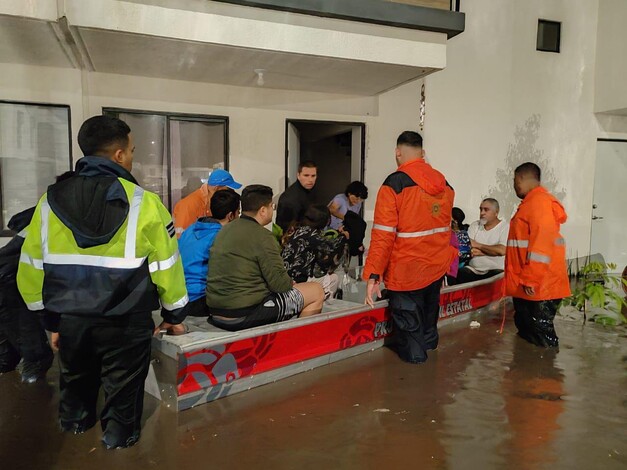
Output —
<point x="536" y="252"/>
<point x="410" y="243"/>
<point x="192" y="207"/>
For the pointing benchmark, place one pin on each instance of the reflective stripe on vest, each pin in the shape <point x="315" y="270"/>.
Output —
<point x="34" y="262"/>
<point x="164" y="264"/>
<point x="39" y="305"/>
<point x="532" y="256"/>
<point x="128" y="262"/>
<point x="178" y="304"/>
<point x="424" y="233"/>
<point x="385" y="228"/>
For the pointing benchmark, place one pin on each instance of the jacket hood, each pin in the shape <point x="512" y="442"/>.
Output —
<point x="423" y="174"/>
<point x="559" y="213"/>
<point x="204" y="227"/>
<point x="93" y="203"/>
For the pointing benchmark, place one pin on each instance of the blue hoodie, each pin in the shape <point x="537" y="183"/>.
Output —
<point x="194" y="246"/>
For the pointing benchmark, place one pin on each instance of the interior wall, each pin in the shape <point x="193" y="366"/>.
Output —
<point x="500" y="102"/>
<point x="334" y="166"/>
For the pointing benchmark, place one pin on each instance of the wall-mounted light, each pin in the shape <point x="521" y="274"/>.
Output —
<point x="260" y="80"/>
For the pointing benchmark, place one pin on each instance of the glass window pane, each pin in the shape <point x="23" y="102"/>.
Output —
<point x="150" y="166"/>
<point x="196" y="148"/>
<point x="34" y="148"/>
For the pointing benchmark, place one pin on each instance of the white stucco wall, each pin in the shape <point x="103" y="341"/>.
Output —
<point x="500" y="102"/>
<point x="611" y="62"/>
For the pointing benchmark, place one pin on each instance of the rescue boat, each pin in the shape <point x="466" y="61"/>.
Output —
<point x="209" y="363"/>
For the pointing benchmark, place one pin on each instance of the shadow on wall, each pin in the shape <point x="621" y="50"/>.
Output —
<point x="523" y="150"/>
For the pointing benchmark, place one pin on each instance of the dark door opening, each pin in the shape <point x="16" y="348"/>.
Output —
<point x="338" y="148"/>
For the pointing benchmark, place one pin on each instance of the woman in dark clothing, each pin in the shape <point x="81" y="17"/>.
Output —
<point x="310" y="254"/>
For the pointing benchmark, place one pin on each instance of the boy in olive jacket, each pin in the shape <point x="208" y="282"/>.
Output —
<point x="247" y="284"/>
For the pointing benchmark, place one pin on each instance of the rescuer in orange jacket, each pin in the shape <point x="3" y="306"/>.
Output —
<point x="410" y="247"/>
<point x="535" y="260"/>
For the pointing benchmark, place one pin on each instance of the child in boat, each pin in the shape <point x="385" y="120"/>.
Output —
<point x="310" y="255"/>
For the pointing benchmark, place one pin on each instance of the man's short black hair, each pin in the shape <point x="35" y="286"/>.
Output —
<point x="99" y="133"/>
<point x="255" y="196"/>
<point x="529" y="169"/>
<point x="306" y="164"/>
<point x="357" y="188"/>
<point x="411" y="138"/>
<point x="223" y="202"/>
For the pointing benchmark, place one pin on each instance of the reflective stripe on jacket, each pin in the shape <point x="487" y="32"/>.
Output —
<point x="410" y="243"/>
<point x="136" y="267"/>
<point x="536" y="252"/>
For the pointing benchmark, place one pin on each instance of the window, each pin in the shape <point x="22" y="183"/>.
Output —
<point x="174" y="153"/>
<point x="548" y="39"/>
<point x="35" y="146"/>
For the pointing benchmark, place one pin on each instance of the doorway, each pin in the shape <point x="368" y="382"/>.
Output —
<point x="608" y="210"/>
<point x="337" y="148"/>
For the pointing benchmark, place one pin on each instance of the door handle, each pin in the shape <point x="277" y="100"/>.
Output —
<point x="594" y="217"/>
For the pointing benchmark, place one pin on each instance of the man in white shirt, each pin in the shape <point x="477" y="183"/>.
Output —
<point x="488" y="238"/>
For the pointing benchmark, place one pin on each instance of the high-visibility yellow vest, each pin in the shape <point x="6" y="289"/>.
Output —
<point x="138" y="268"/>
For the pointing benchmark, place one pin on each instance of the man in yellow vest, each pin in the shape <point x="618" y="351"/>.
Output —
<point x="99" y="256"/>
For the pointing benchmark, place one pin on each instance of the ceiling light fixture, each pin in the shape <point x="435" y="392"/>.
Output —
<point x="260" y="80"/>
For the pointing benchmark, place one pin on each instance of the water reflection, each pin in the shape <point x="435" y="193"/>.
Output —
<point x="533" y="388"/>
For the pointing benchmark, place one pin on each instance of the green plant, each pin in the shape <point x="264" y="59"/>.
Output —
<point x="597" y="288"/>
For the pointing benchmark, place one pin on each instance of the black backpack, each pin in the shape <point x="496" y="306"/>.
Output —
<point x="356" y="227"/>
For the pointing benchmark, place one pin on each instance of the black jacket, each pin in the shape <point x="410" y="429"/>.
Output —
<point x="9" y="261"/>
<point x="292" y="205"/>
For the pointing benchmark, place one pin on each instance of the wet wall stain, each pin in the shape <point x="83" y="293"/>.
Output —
<point x="523" y="149"/>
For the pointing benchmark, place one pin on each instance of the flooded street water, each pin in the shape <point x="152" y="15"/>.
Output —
<point x="482" y="401"/>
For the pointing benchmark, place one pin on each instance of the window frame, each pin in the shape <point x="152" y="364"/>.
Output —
<point x="545" y="22"/>
<point x="190" y="117"/>
<point x="8" y="233"/>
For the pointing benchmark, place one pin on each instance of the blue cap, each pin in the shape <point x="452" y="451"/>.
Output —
<point x="222" y="178"/>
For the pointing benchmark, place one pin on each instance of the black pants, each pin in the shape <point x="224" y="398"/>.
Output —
<point x="415" y="316"/>
<point x="534" y="320"/>
<point x="112" y="352"/>
<point x="466" y="274"/>
<point x="23" y="336"/>
<point x="197" y="308"/>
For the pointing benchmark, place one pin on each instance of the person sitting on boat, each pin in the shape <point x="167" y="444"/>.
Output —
<point x="197" y="240"/>
<point x="247" y="283"/>
<point x="311" y="254"/>
<point x="196" y="205"/>
<point x="351" y="200"/>
<point x="461" y="232"/>
<point x="488" y="238"/>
